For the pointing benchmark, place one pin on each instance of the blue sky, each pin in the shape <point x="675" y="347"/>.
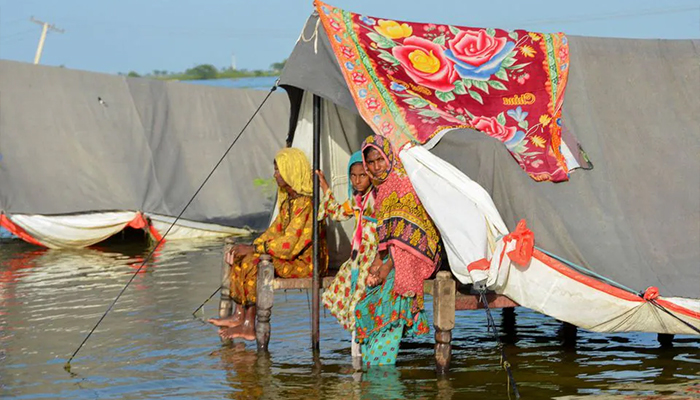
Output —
<point x="142" y="35"/>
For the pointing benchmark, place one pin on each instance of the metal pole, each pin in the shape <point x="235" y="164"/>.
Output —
<point x="315" y="290"/>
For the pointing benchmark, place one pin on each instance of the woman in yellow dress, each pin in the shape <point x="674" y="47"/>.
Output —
<point x="288" y="241"/>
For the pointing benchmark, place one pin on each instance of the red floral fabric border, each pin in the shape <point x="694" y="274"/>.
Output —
<point x="411" y="81"/>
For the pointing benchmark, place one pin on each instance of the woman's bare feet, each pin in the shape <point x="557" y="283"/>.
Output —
<point x="235" y="319"/>
<point x="244" y="331"/>
<point x="227" y="322"/>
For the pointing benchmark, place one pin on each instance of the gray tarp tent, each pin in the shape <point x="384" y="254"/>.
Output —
<point x="147" y="148"/>
<point x="632" y="104"/>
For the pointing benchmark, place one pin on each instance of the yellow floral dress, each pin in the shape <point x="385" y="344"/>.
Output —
<point x="289" y="241"/>
<point x="348" y="287"/>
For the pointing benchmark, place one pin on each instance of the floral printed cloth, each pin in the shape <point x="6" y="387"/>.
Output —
<point x="383" y="318"/>
<point x="412" y="82"/>
<point x="341" y="296"/>
<point x="288" y="241"/>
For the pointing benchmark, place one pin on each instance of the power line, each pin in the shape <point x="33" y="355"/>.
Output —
<point x="5" y="23"/>
<point x="3" y="38"/>
<point x="15" y="40"/>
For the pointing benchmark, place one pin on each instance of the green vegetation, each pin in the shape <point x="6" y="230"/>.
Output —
<point x="268" y="187"/>
<point x="208" y="71"/>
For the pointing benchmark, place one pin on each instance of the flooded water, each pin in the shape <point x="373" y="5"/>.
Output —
<point x="151" y="347"/>
<point x="255" y="83"/>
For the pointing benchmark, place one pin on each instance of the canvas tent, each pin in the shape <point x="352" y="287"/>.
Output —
<point x="75" y="170"/>
<point x="607" y="238"/>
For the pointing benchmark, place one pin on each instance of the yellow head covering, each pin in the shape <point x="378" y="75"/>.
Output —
<point x="295" y="170"/>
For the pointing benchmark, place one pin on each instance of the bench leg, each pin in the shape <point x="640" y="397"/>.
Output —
<point x="568" y="333"/>
<point x="444" y="293"/>
<point x="665" y="339"/>
<point x="508" y="325"/>
<point x="265" y="299"/>
<point x="225" y="302"/>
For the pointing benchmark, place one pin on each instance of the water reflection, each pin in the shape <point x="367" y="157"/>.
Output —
<point x="243" y="372"/>
<point x="382" y="383"/>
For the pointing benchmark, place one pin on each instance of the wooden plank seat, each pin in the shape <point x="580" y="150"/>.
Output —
<point x="464" y="299"/>
<point x="448" y="295"/>
<point x="301" y="283"/>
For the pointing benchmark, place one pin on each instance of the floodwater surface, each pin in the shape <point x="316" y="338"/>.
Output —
<point x="151" y="347"/>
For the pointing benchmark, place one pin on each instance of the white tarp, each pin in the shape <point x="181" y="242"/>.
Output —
<point x="461" y="209"/>
<point x="73" y="231"/>
<point x="185" y="229"/>
<point x="554" y="289"/>
<point x="82" y="230"/>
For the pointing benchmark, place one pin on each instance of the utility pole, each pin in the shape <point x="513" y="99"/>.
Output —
<point x="44" y="31"/>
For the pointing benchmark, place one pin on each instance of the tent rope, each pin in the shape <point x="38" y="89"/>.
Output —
<point x="143" y="263"/>
<point x="206" y="301"/>
<point x="503" y="360"/>
<point x="664" y="309"/>
<point x="618" y="285"/>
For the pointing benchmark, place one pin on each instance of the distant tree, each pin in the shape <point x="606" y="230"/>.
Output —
<point x="204" y="71"/>
<point x="133" y="74"/>
<point x="278" y="66"/>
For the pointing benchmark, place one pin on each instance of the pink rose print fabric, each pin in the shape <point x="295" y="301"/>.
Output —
<point x="412" y="81"/>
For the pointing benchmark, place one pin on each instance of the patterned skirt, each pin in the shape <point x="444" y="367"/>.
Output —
<point x="244" y="275"/>
<point x="340" y="299"/>
<point x="382" y="319"/>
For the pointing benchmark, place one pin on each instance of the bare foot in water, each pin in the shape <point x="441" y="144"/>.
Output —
<point x="239" y="332"/>
<point x="227" y="322"/>
<point x="223" y="333"/>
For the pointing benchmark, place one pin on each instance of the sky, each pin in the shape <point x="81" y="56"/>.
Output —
<point x="114" y="36"/>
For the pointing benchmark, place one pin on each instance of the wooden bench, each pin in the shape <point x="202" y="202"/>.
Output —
<point x="446" y="300"/>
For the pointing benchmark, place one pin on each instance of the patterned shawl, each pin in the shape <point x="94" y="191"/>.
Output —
<point x="401" y="219"/>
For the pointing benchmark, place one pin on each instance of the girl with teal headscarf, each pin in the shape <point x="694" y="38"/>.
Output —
<point x="348" y="287"/>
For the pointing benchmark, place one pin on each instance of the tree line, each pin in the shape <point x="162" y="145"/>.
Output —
<point x="209" y="71"/>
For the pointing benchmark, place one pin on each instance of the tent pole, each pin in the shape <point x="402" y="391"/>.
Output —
<point x="315" y="289"/>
